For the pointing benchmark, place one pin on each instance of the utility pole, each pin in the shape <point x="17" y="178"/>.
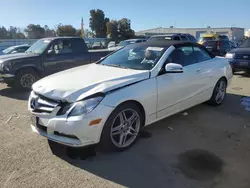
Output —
<point x="82" y="29"/>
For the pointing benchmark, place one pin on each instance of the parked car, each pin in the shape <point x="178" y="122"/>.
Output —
<point x="218" y="47"/>
<point x="15" y="49"/>
<point x="223" y="37"/>
<point x="111" y="101"/>
<point x="46" y="56"/>
<point x="207" y="37"/>
<point x="212" y="36"/>
<point x="175" y="36"/>
<point x="233" y="44"/>
<point x="111" y="44"/>
<point x="99" y="45"/>
<point x="239" y="57"/>
<point x="131" y="41"/>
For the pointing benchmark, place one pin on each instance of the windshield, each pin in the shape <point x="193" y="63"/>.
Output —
<point x="8" y="50"/>
<point x="160" y="38"/>
<point x="39" y="46"/>
<point x="222" y="37"/>
<point x="135" y="57"/>
<point x="245" y="44"/>
<point x="125" y="43"/>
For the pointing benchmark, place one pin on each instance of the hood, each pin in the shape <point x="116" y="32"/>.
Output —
<point x="9" y="57"/>
<point x="77" y="83"/>
<point x="240" y="50"/>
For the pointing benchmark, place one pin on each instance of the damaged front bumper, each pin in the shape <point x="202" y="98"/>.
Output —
<point x="73" y="131"/>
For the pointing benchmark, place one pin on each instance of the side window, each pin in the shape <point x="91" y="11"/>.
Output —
<point x="176" y="38"/>
<point x="184" y="38"/>
<point x="201" y="55"/>
<point x="183" y="56"/>
<point x="22" y="49"/>
<point x="79" y="46"/>
<point x="191" y="38"/>
<point x="62" y="47"/>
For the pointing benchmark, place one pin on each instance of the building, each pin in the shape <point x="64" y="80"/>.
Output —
<point x="247" y="33"/>
<point x="234" y="33"/>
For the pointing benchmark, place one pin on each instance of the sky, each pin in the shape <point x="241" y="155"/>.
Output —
<point x="144" y="14"/>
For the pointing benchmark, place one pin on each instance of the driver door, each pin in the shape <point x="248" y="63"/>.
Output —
<point x="59" y="57"/>
<point x="174" y="88"/>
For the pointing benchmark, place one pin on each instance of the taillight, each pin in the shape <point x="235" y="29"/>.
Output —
<point x="218" y="45"/>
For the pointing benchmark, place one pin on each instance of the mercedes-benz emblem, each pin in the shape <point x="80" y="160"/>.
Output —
<point x="33" y="103"/>
<point x="245" y="57"/>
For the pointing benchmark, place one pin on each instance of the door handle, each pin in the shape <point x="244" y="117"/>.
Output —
<point x="198" y="70"/>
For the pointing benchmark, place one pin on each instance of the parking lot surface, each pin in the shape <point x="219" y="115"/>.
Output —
<point x="203" y="147"/>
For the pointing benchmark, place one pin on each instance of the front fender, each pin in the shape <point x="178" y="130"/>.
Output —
<point x="23" y="64"/>
<point x="144" y="92"/>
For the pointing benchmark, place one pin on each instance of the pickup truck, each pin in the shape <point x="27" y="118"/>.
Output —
<point x="218" y="47"/>
<point x="45" y="57"/>
<point x="239" y="58"/>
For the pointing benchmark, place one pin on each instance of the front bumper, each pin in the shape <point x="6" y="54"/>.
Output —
<point x="239" y="64"/>
<point x="4" y="77"/>
<point x="72" y="131"/>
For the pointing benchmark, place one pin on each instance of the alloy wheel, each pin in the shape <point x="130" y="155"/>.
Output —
<point x="220" y="92"/>
<point x="27" y="80"/>
<point x="125" y="128"/>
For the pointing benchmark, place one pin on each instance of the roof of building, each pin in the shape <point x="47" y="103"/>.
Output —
<point x="174" y="28"/>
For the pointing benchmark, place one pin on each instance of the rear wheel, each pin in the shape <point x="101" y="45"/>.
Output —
<point x="219" y="93"/>
<point x="25" y="78"/>
<point x="122" y="128"/>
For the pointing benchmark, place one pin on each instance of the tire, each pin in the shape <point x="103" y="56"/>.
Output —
<point x="25" y="78"/>
<point x="218" y="98"/>
<point x="114" y="128"/>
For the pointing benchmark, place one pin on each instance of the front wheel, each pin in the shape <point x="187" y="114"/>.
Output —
<point x="219" y="92"/>
<point x="25" y="78"/>
<point x="122" y="128"/>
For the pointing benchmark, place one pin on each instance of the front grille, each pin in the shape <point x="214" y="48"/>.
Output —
<point x="41" y="104"/>
<point x="242" y="56"/>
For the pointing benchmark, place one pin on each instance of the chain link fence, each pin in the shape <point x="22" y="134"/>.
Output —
<point x="5" y="43"/>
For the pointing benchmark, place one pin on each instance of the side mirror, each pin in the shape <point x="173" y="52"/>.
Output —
<point x="173" y="68"/>
<point x="50" y="52"/>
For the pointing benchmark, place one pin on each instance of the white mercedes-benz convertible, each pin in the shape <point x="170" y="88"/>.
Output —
<point x="109" y="102"/>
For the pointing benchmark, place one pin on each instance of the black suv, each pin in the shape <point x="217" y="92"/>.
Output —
<point x="175" y="36"/>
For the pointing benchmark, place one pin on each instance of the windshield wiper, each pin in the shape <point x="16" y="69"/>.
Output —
<point x="114" y="65"/>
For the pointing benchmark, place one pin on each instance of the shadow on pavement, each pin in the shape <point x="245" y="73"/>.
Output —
<point x="155" y="161"/>
<point x="14" y="93"/>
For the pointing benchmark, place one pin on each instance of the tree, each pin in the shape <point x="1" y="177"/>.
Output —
<point x="78" y="32"/>
<point x="49" y="32"/>
<point x="112" y="30"/>
<point x="125" y="31"/>
<point x="3" y="33"/>
<point x="35" y="31"/>
<point x="97" y="23"/>
<point x="88" y="33"/>
<point x="65" y="30"/>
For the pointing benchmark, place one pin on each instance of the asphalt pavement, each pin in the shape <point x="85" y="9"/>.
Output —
<point x="203" y="147"/>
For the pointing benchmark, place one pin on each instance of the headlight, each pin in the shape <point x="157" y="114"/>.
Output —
<point x="230" y="55"/>
<point x="85" y="106"/>
<point x="5" y="66"/>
